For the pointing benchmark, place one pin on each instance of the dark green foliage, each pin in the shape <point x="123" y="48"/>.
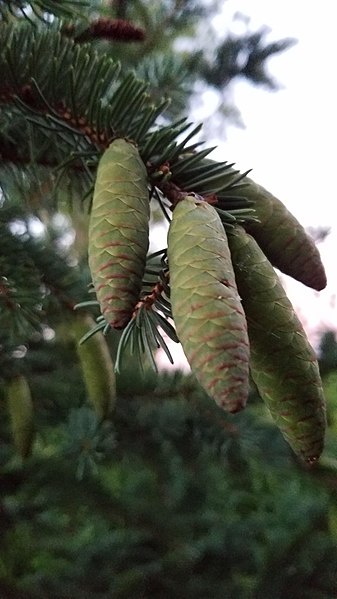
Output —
<point x="328" y="352"/>
<point x="182" y="497"/>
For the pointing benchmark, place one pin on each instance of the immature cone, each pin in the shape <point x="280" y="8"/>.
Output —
<point x="283" y="363"/>
<point x="283" y="239"/>
<point x="207" y="312"/>
<point x="279" y="234"/>
<point x="20" y="408"/>
<point x="119" y="231"/>
<point x="97" y="366"/>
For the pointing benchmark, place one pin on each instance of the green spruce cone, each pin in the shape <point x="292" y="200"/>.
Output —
<point x="283" y="363"/>
<point x="279" y="234"/>
<point x="97" y="366"/>
<point x="283" y="239"/>
<point x="119" y="231"/>
<point x="206" y="308"/>
<point x="20" y="409"/>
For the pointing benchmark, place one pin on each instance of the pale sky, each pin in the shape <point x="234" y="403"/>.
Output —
<point x="290" y="135"/>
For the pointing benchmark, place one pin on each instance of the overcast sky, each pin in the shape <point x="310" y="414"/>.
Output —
<point x="290" y="135"/>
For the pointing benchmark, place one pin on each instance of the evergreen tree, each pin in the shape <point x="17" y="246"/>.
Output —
<point x="93" y="102"/>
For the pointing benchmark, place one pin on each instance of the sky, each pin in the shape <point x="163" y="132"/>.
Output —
<point x="289" y="139"/>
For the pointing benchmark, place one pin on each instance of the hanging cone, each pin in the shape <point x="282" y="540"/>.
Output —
<point x="282" y="238"/>
<point x="207" y="311"/>
<point x="283" y="363"/>
<point x="97" y="366"/>
<point x="20" y="408"/>
<point x="279" y="234"/>
<point x="119" y="231"/>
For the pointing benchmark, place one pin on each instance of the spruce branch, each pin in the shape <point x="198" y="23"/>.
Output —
<point x="82" y="101"/>
<point x="244" y="56"/>
<point x="142" y="336"/>
<point x="36" y="279"/>
<point x="33" y="168"/>
<point x="167" y="76"/>
<point x="80" y="97"/>
<point x="85" y="440"/>
<point x="21" y="295"/>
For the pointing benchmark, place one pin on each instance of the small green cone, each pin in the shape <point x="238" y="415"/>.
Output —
<point x="20" y="409"/>
<point x="207" y="311"/>
<point x="97" y="366"/>
<point x="283" y="363"/>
